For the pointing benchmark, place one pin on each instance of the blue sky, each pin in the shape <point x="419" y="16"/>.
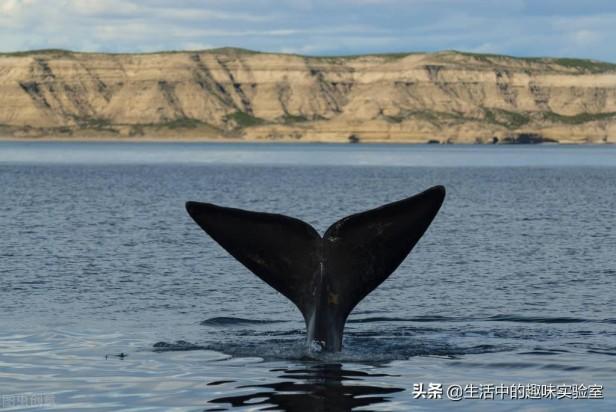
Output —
<point x="572" y="28"/>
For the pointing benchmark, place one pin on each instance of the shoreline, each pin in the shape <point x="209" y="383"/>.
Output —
<point x="239" y="140"/>
<point x="99" y="139"/>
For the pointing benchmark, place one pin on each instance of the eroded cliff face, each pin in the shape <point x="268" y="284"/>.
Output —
<point x="444" y="97"/>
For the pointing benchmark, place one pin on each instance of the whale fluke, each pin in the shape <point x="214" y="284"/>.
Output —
<point x="326" y="277"/>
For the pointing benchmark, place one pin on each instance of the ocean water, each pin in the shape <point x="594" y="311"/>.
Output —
<point x="113" y="299"/>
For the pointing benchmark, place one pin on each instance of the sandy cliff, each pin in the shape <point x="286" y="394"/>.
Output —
<point x="229" y="93"/>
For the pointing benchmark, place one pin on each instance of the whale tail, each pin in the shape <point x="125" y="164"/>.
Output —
<point x="325" y="277"/>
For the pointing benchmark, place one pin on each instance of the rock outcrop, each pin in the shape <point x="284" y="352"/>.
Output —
<point x="238" y="94"/>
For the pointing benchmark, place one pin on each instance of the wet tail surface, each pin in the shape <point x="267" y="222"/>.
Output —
<point x="326" y="277"/>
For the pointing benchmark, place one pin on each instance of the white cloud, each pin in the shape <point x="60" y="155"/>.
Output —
<point x="208" y="14"/>
<point x="103" y="7"/>
<point x="586" y="37"/>
<point x="517" y="27"/>
<point x="12" y="7"/>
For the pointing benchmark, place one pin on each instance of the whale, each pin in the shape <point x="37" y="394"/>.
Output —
<point x="324" y="276"/>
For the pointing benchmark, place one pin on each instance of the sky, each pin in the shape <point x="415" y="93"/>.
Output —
<point x="558" y="28"/>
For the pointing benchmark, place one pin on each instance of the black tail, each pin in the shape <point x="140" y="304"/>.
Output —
<point x="324" y="276"/>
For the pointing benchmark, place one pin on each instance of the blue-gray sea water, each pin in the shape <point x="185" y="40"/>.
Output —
<point x="513" y="283"/>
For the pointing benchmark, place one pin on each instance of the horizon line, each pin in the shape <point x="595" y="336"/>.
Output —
<point x="323" y="56"/>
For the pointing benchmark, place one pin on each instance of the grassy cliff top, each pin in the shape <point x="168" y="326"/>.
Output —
<point x="573" y="64"/>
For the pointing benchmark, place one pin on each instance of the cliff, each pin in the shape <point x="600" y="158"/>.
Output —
<point x="238" y="94"/>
